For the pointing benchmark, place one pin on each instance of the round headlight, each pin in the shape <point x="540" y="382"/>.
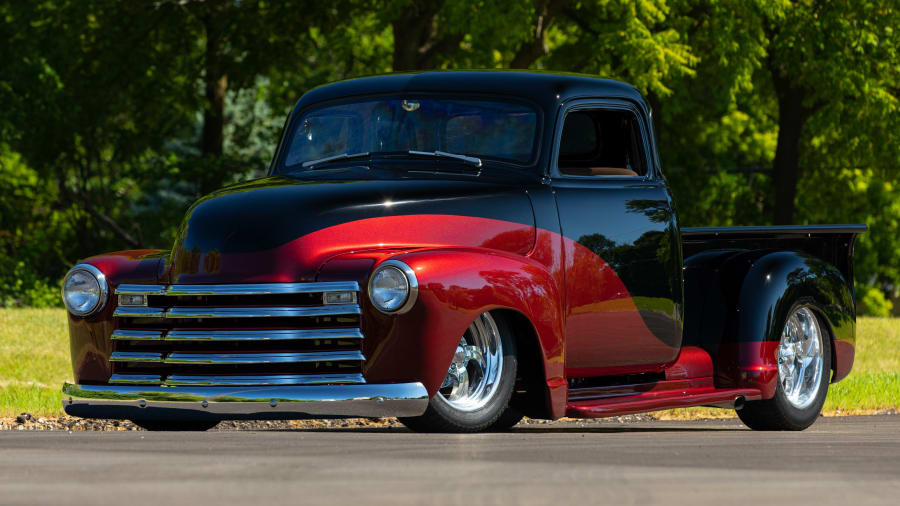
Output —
<point x="84" y="290"/>
<point x="393" y="287"/>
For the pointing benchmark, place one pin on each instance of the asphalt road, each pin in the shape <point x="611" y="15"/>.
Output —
<point x="848" y="461"/>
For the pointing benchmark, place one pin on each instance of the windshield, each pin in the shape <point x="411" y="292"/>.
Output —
<point x="479" y="128"/>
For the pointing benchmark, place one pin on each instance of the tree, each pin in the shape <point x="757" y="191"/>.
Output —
<point x="823" y="55"/>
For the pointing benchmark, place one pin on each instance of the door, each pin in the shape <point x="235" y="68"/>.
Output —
<point x="622" y="253"/>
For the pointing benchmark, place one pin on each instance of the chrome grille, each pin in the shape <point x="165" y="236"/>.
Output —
<point x="238" y="334"/>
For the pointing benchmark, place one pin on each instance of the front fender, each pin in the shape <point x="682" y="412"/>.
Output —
<point x="455" y="286"/>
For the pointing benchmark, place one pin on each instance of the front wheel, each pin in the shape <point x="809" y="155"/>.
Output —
<point x="804" y="367"/>
<point x="476" y="391"/>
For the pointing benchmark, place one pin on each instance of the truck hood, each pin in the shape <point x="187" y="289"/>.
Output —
<point x="279" y="229"/>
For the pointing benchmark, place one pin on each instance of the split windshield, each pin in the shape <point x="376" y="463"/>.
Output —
<point x="488" y="130"/>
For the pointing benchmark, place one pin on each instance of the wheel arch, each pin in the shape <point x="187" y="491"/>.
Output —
<point x="531" y="395"/>
<point x="455" y="285"/>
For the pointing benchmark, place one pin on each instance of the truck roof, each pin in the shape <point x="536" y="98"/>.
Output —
<point x="546" y="89"/>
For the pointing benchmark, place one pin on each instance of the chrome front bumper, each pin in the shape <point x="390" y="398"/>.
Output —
<point x="139" y="402"/>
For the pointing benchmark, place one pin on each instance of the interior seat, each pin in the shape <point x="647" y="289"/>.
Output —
<point x="597" y="171"/>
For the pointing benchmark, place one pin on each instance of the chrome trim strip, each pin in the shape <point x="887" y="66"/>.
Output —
<point x="236" y="312"/>
<point x="135" y="379"/>
<point x="136" y="335"/>
<point x="272" y="379"/>
<point x="274" y="402"/>
<point x="261" y="358"/>
<point x="261" y="312"/>
<point x="139" y="312"/>
<point x="263" y="288"/>
<point x="239" y="289"/>
<point x="262" y="335"/>
<point x="135" y="356"/>
<point x="141" y="290"/>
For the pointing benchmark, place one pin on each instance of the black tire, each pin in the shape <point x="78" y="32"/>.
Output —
<point x="778" y="413"/>
<point x="176" y="425"/>
<point x="508" y="419"/>
<point x="442" y="417"/>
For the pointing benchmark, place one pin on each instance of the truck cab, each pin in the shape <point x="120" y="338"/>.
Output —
<point x="460" y="250"/>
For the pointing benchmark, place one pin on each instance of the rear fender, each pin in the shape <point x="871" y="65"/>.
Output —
<point x="455" y="286"/>
<point x="737" y="302"/>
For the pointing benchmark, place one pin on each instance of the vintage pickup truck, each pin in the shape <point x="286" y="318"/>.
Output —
<point x="460" y="250"/>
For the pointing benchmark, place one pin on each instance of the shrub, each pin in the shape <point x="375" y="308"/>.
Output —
<point x="872" y="302"/>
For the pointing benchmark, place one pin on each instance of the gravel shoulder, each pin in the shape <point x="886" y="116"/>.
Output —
<point x="27" y="422"/>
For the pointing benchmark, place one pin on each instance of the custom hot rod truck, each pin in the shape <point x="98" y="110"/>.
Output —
<point x="461" y="249"/>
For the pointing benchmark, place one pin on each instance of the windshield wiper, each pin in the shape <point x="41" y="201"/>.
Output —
<point x="443" y="154"/>
<point x="342" y="156"/>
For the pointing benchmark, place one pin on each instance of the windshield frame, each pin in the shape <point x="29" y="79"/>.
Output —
<point x="279" y="166"/>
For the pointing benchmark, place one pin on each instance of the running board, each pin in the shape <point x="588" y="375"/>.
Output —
<point x="653" y="400"/>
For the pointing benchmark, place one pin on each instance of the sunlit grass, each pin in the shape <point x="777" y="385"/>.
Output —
<point x="34" y="362"/>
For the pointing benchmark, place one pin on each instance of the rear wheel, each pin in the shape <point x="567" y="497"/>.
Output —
<point x="176" y="425"/>
<point x="476" y="391"/>
<point x="804" y="367"/>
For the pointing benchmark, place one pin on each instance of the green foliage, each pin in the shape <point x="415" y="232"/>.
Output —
<point x="872" y="302"/>
<point x="110" y="130"/>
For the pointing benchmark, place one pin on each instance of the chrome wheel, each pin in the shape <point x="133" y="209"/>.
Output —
<point x="800" y="359"/>
<point x="474" y="374"/>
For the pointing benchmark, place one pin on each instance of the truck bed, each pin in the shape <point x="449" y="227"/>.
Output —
<point x="830" y="243"/>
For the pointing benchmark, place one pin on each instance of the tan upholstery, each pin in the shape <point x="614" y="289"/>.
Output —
<point x="598" y="171"/>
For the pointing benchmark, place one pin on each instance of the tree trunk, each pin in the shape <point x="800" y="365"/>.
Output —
<point x="415" y="37"/>
<point x="536" y="46"/>
<point x="216" y="85"/>
<point x="792" y="116"/>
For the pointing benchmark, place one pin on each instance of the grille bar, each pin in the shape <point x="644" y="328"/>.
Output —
<point x="236" y="312"/>
<point x="246" y="289"/>
<point x="262" y="335"/>
<point x="262" y="358"/>
<point x="277" y="379"/>
<point x="141" y="290"/>
<point x="136" y="335"/>
<point x="135" y="356"/>
<point x="136" y="379"/>
<point x="260" y="312"/>
<point x="139" y="312"/>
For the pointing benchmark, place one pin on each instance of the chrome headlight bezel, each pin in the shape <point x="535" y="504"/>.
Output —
<point x="98" y="275"/>
<point x="412" y="284"/>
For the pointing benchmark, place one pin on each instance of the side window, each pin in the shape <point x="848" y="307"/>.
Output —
<point x="601" y="142"/>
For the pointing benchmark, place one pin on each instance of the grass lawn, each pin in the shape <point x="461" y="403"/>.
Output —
<point x="34" y="362"/>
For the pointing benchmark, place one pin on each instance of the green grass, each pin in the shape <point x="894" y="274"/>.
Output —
<point x="34" y="362"/>
<point x="874" y="383"/>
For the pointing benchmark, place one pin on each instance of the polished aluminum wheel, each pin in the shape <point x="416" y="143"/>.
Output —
<point x="474" y="374"/>
<point x="801" y="358"/>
